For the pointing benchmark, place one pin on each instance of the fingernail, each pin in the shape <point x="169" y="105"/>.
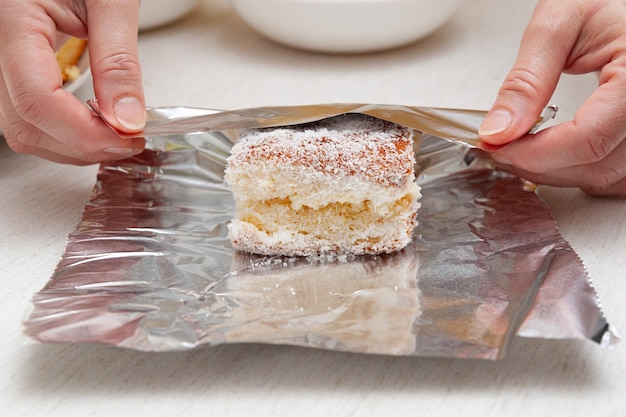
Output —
<point x="496" y="122"/>
<point x="130" y="113"/>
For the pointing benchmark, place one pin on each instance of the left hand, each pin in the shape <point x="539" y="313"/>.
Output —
<point x="39" y="117"/>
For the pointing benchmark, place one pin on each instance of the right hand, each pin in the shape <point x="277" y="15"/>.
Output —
<point x="39" y="117"/>
<point x="589" y="152"/>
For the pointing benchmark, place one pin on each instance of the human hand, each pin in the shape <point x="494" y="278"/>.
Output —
<point x="37" y="116"/>
<point x="571" y="36"/>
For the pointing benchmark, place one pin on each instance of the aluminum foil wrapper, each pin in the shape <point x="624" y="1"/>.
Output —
<point x="150" y="267"/>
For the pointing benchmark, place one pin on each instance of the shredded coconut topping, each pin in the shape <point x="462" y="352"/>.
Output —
<point x="351" y="144"/>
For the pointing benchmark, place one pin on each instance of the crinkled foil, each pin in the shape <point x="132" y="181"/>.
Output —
<point x="150" y="267"/>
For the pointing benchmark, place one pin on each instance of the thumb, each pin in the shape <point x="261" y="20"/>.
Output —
<point x="113" y="28"/>
<point x="531" y="82"/>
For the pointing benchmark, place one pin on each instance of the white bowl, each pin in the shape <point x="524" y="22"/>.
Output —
<point x="155" y="13"/>
<point x="345" y="26"/>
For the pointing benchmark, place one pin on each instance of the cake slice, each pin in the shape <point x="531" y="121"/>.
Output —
<point x="340" y="185"/>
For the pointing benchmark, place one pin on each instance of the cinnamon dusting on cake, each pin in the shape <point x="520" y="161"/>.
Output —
<point x="381" y="151"/>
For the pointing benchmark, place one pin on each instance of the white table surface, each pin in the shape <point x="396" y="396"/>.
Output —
<point x="211" y="59"/>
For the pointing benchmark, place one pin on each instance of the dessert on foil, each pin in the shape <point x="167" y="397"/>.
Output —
<point x="487" y="263"/>
<point x="343" y="185"/>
